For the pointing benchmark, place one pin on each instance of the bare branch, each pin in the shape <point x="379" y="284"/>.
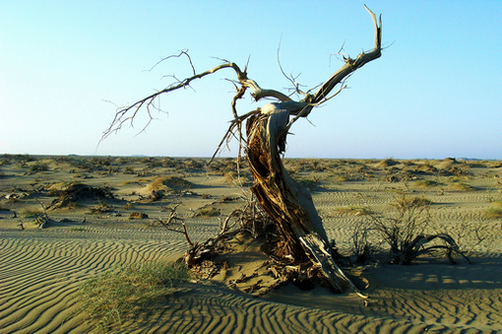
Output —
<point x="183" y="52"/>
<point x="352" y="64"/>
<point x="124" y="114"/>
<point x="289" y="78"/>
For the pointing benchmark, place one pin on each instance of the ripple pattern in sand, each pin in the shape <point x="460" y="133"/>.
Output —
<point x="39" y="276"/>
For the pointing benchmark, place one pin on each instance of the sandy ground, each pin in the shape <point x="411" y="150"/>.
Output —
<point x="41" y="270"/>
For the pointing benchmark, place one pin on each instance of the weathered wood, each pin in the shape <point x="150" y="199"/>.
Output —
<point x="335" y="276"/>
<point x="288" y="204"/>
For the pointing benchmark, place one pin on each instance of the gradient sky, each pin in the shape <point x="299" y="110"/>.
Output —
<point x="436" y="91"/>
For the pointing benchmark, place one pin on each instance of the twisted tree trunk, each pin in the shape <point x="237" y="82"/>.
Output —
<point x="289" y="204"/>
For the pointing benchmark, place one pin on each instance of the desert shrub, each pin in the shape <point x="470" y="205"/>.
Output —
<point x="5" y="160"/>
<point x="61" y="159"/>
<point x="151" y="162"/>
<point x="128" y="206"/>
<point x="129" y="170"/>
<point x="341" y="178"/>
<point x="362" y="248"/>
<point x="173" y="182"/>
<point x="405" y="230"/>
<point x="316" y="165"/>
<point x="169" y="162"/>
<point x="229" y="177"/>
<point x="192" y="164"/>
<point x="38" y="166"/>
<point x="241" y="179"/>
<point x="74" y="192"/>
<point x="124" y="291"/>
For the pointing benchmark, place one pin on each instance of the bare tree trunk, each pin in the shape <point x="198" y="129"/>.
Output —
<point x="289" y="204"/>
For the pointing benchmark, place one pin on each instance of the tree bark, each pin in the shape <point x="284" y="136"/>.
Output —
<point x="288" y="203"/>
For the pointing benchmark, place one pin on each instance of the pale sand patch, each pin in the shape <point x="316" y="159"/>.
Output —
<point x="41" y="270"/>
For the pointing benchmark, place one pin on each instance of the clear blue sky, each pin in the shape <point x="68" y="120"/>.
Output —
<point x="436" y="91"/>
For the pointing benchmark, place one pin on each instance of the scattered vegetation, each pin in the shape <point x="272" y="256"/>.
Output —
<point x="38" y="166"/>
<point x="407" y="231"/>
<point x="74" y="192"/>
<point x="173" y="182"/>
<point x="124" y="291"/>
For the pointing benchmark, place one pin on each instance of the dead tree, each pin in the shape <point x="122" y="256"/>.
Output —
<point x="288" y="204"/>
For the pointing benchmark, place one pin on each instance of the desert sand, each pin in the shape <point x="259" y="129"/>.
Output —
<point x="41" y="269"/>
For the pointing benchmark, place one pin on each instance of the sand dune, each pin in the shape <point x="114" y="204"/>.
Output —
<point x="42" y="270"/>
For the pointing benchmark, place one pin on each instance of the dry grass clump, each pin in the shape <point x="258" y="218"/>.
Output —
<point x="306" y="165"/>
<point x="341" y="178"/>
<point x="311" y="182"/>
<point x="194" y="165"/>
<point x="74" y="192"/>
<point x="207" y="212"/>
<point x="102" y="207"/>
<point x="241" y="179"/>
<point x="462" y="186"/>
<point x="122" y="292"/>
<point x="387" y="163"/>
<point x="138" y="215"/>
<point x="426" y="183"/>
<point x="38" y="166"/>
<point x="173" y="182"/>
<point x="353" y="210"/>
<point x="495" y="212"/>
<point x="404" y="202"/>
<point x="425" y="169"/>
<point x="32" y="213"/>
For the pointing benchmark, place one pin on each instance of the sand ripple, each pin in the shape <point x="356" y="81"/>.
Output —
<point x="41" y="271"/>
